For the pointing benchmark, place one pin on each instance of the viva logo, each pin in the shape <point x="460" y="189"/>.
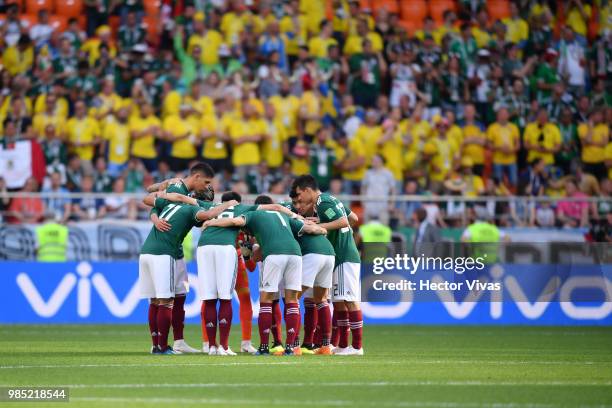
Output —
<point x="85" y="281"/>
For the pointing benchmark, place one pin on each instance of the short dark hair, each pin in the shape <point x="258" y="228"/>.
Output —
<point x="421" y="214"/>
<point x="231" y="195"/>
<point x="202" y="168"/>
<point x="305" y="181"/>
<point x="264" y="199"/>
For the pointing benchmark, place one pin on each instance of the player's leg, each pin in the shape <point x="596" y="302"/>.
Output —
<point x="322" y="284"/>
<point x="269" y="277"/>
<point x="246" y="307"/>
<point x="163" y="267"/>
<point x="277" y="323"/>
<point x="206" y="256"/>
<point x="181" y="285"/>
<point x="340" y="313"/>
<point x="153" y="325"/>
<point x="352" y="297"/>
<point x="226" y="265"/>
<point x="292" y="280"/>
<point x="310" y="268"/>
<point x="147" y="291"/>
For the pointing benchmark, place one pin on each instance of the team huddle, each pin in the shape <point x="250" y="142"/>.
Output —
<point x="304" y="247"/>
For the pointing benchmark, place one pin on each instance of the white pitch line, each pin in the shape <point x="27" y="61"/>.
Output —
<point x="345" y="384"/>
<point x="314" y="361"/>
<point x="310" y="403"/>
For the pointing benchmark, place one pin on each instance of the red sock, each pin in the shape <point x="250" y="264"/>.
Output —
<point x="264" y="322"/>
<point x="356" y="325"/>
<point x="225" y="322"/>
<point x="153" y="323"/>
<point x="178" y="317"/>
<point x="203" y="320"/>
<point x="296" y="340"/>
<point x="164" y="320"/>
<point x="310" y="320"/>
<point x="277" y="321"/>
<point x="318" y="338"/>
<point x="210" y="320"/>
<point x="292" y="319"/>
<point x="335" y="337"/>
<point x="343" y="324"/>
<point x="324" y="320"/>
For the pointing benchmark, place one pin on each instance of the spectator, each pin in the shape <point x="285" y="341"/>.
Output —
<point x="426" y="234"/>
<point x="117" y="205"/>
<point x="474" y="140"/>
<point x="378" y="182"/>
<point x="144" y="129"/>
<point x="572" y="63"/>
<point x="87" y="208"/>
<point x="594" y="136"/>
<point x="27" y="210"/>
<point x="41" y="32"/>
<point x="102" y="180"/>
<point x="322" y="157"/>
<point x="57" y="204"/>
<point x="5" y="201"/>
<point x="366" y="68"/>
<point x="542" y="139"/>
<point x="573" y="213"/>
<point x="504" y="140"/>
<point x="117" y="145"/>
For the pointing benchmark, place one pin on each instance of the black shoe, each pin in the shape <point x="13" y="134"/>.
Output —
<point x="309" y="346"/>
<point x="276" y="344"/>
<point x="263" y="350"/>
<point x="155" y="350"/>
<point x="289" y="351"/>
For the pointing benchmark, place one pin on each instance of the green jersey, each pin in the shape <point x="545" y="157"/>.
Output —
<point x="182" y="218"/>
<point x="274" y="232"/>
<point x="225" y="236"/>
<point x="180" y="188"/>
<point x="311" y="244"/>
<point x="329" y="209"/>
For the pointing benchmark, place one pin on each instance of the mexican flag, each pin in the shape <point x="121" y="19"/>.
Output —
<point x="20" y="161"/>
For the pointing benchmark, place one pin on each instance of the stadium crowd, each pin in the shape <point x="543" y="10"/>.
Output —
<point x="380" y="98"/>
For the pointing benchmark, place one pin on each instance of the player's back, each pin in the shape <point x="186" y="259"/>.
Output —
<point x="225" y="236"/>
<point x="274" y="232"/>
<point x="182" y="218"/>
<point x="310" y="244"/>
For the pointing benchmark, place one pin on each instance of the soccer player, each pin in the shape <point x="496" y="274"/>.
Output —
<point x="198" y="182"/>
<point x="318" y="259"/>
<point x="157" y="264"/>
<point x="282" y="262"/>
<point x="346" y="285"/>
<point x="217" y="271"/>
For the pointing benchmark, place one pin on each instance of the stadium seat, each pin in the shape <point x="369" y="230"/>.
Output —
<point x="364" y="4"/>
<point x="151" y="25"/>
<point x="498" y="9"/>
<point x="413" y="10"/>
<point x="411" y="26"/>
<point x="59" y="23"/>
<point x="152" y="7"/>
<point x="30" y="19"/>
<point x="34" y="6"/>
<point x="69" y="8"/>
<point x="438" y="7"/>
<point x="391" y="5"/>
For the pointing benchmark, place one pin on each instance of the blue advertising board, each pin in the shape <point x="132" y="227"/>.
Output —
<point x="107" y="292"/>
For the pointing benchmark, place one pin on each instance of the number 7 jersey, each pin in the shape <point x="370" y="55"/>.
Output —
<point x="328" y="209"/>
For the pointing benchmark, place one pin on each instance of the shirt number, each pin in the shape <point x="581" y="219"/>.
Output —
<point x="280" y="217"/>
<point x="169" y="211"/>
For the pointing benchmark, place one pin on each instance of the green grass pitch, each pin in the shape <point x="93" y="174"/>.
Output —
<point x="404" y="366"/>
